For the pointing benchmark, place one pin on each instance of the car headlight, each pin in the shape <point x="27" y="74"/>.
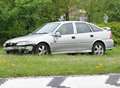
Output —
<point x="4" y="44"/>
<point x="24" y="43"/>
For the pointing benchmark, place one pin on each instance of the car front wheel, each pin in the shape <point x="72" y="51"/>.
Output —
<point x="42" y="49"/>
<point x="98" y="48"/>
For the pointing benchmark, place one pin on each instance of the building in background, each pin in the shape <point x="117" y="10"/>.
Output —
<point x="78" y="14"/>
<point x="75" y="15"/>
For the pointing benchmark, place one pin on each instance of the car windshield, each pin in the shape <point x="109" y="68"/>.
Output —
<point x="47" y="28"/>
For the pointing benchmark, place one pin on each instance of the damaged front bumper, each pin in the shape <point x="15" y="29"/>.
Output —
<point x="19" y="49"/>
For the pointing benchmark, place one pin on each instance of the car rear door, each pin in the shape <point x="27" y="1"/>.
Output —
<point x="84" y="36"/>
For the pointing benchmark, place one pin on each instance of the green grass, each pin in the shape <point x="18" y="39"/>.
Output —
<point x="31" y="65"/>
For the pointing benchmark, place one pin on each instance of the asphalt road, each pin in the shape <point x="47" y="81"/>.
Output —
<point x="94" y="81"/>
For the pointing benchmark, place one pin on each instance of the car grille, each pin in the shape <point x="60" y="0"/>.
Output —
<point x="10" y="44"/>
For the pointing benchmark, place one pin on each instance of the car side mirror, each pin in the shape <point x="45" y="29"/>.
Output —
<point x="57" y="34"/>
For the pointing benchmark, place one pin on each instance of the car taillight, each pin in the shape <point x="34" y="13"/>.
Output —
<point x="110" y="35"/>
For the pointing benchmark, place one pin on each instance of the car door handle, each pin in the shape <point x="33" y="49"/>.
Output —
<point x="91" y="35"/>
<point x="73" y="37"/>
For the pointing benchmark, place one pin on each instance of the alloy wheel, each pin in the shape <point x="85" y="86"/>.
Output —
<point x="98" y="49"/>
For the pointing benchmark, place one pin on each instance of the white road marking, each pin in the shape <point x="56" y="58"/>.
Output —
<point x="27" y="83"/>
<point x="118" y="81"/>
<point x="87" y="82"/>
<point x="98" y="81"/>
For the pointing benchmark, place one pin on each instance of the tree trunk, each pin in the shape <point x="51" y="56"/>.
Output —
<point x="67" y="16"/>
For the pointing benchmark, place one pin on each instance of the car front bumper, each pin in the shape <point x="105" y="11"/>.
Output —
<point x="21" y="49"/>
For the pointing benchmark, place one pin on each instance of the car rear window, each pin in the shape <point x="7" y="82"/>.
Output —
<point x="95" y="28"/>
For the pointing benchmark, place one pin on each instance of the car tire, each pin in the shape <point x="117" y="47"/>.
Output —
<point x="98" y="49"/>
<point x="7" y="52"/>
<point x="42" y="49"/>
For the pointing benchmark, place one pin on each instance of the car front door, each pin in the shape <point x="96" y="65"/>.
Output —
<point x="84" y="36"/>
<point x="64" y="42"/>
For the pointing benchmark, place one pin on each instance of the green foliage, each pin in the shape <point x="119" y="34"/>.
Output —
<point x="112" y="8"/>
<point x="19" y="17"/>
<point x="115" y="28"/>
<point x="97" y="8"/>
<point x="116" y="32"/>
<point x="64" y="6"/>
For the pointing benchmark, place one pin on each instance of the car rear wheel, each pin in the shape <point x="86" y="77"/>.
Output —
<point x="98" y="48"/>
<point x="42" y="49"/>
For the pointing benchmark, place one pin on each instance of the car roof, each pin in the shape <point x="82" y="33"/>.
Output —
<point x="76" y="21"/>
<point x="70" y="22"/>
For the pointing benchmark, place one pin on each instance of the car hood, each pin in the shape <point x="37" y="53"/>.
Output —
<point x="30" y="37"/>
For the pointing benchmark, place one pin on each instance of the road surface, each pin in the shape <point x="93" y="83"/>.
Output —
<point x="82" y="81"/>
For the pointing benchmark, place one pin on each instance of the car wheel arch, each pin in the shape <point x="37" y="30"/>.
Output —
<point x="100" y="42"/>
<point x="45" y="44"/>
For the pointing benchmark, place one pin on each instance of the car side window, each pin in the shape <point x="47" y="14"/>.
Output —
<point x="82" y="28"/>
<point x="95" y="28"/>
<point x="66" y="29"/>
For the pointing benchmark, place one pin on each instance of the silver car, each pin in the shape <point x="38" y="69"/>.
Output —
<point x="63" y="37"/>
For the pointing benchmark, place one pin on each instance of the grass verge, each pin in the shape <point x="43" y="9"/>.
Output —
<point x="31" y="65"/>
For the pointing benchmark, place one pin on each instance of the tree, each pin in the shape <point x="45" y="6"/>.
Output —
<point x="19" y="17"/>
<point x="112" y="9"/>
<point x="97" y="8"/>
<point x="64" y="6"/>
